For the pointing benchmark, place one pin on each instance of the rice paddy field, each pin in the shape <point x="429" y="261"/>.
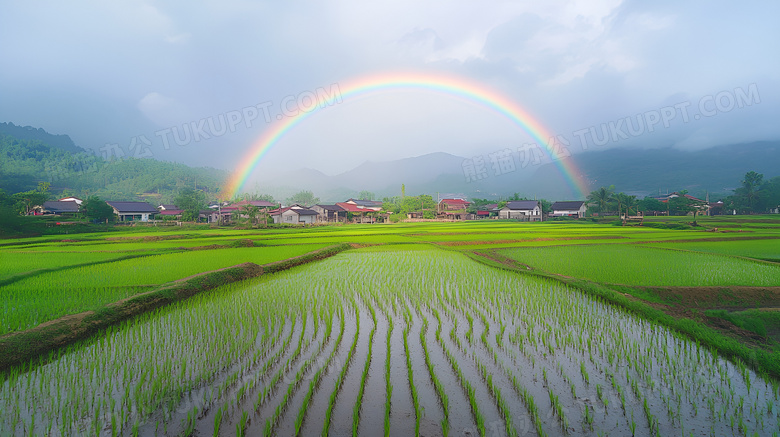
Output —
<point x="648" y="266"/>
<point x="39" y="298"/>
<point x="408" y="335"/>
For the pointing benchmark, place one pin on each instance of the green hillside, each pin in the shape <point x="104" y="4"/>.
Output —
<point x="26" y="162"/>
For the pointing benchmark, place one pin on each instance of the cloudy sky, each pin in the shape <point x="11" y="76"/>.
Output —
<point x="120" y="72"/>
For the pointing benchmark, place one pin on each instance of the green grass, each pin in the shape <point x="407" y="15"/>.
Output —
<point x="632" y="265"/>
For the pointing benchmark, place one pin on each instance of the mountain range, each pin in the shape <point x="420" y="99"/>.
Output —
<point x="29" y="153"/>
<point x="715" y="171"/>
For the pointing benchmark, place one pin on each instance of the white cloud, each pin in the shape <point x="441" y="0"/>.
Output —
<point x="162" y="110"/>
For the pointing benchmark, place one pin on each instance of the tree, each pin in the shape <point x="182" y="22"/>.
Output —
<point x="190" y="201"/>
<point x="96" y="209"/>
<point x="305" y="198"/>
<point x="601" y="198"/>
<point x="255" y="196"/>
<point x="5" y="199"/>
<point x="684" y="205"/>
<point x="648" y="204"/>
<point x="748" y="194"/>
<point x="623" y="200"/>
<point x="26" y="201"/>
<point x="251" y="212"/>
<point x="770" y="194"/>
<point x="546" y="206"/>
<point x="366" y="195"/>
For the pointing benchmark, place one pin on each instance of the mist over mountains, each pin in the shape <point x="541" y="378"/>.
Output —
<point x="716" y="171"/>
<point x="30" y="155"/>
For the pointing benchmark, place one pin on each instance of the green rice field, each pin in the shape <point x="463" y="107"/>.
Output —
<point x="645" y="266"/>
<point x="413" y="331"/>
<point x="46" y="296"/>
<point x="444" y="345"/>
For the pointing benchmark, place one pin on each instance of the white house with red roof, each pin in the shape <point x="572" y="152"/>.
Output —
<point x="359" y="211"/>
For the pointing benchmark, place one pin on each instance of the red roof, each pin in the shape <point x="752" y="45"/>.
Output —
<point x="349" y="207"/>
<point x="170" y="212"/>
<point x="278" y="211"/>
<point x="458" y="202"/>
<point x="483" y="212"/>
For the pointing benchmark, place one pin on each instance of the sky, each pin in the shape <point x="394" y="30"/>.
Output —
<point x="133" y="73"/>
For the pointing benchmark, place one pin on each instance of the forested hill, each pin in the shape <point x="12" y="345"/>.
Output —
<point x="26" y="162"/>
<point x="30" y="133"/>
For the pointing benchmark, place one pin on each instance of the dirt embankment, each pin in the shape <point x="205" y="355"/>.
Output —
<point x="18" y="347"/>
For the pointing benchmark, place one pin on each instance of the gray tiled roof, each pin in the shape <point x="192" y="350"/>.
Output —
<point x="522" y="204"/>
<point x="130" y="207"/>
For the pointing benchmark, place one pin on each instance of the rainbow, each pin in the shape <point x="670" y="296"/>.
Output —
<point x="452" y="86"/>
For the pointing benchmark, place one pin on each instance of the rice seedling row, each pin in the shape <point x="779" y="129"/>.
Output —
<point x="270" y="355"/>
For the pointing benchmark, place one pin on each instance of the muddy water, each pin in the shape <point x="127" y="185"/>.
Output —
<point x="341" y="420"/>
<point x="461" y="420"/>
<point x="206" y="397"/>
<point x="315" y="418"/>
<point x="402" y="415"/>
<point x="372" y="411"/>
<point x="492" y="417"/>
<point x="431" y="410"/>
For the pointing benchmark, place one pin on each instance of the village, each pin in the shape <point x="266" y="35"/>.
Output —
<point x="366" y="211"/>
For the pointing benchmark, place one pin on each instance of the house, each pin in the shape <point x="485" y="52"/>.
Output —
<point x="208" y="216"/>
<point x="59" y="207"/>
<point x="168" y="207"/>
<point x="71" y="199"/>
<point x="359" y="212"/>
<point x="373" y="205"/>
<point x="487" y="211"/>
<point x="228" y="213"/>
<point x="170" y="214"/>
<point x="294" y="214"/>
<point x="574" y="208"/>
<point x="454" y="209"/>
<point x="329" y="213"/>
<point x="716" y="208"/>
<point x="525" y="210"/>
<point x="665" y="197"/>
<point x="133" y="211"/>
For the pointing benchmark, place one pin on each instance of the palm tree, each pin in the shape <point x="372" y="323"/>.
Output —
<point x="250" y="211"/>
<point x="601" y="197"/>
<point x="624" y="200"/>
<point x="750" y="189"/>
